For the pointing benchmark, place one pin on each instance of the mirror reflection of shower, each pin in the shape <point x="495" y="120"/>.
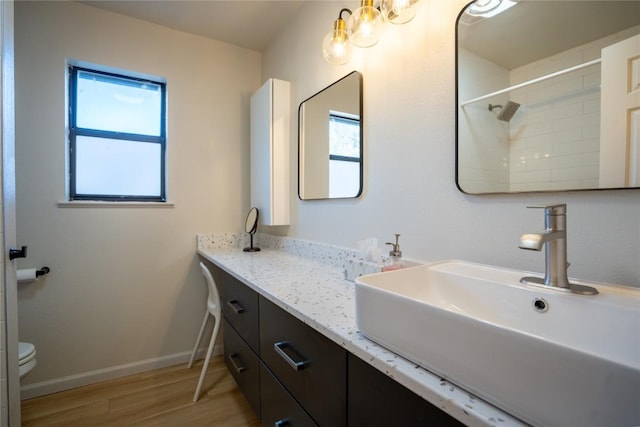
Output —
<point x="507" y="110"/>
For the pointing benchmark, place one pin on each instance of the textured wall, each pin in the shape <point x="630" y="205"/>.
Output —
<point x="124" y="285"/>
<point x="409" y="106"/>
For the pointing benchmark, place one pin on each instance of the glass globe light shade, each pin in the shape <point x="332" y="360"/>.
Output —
<point x="365" y="25"/>
<point x="482" y="7"/>
<point x="336" y="46"/>
<point x="398" y="11"/>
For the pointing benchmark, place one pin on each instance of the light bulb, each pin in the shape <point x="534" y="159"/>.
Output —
<point x="398" y="11"/>
<point x="365" y="25"/>
<point x="336" y="46"/>
<point x="482" y="7"/>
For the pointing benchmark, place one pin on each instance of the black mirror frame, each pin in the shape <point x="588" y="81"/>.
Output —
<point x="361" y="175"/>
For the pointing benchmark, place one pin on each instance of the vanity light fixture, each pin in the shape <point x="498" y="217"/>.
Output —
<point x="398" y="11"/>
<point x="336" y="46"/>
<point x="489" y="8"/>
<point x="364" y="27"/>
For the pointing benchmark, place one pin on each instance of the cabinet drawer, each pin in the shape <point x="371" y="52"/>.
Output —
<point x="309" y="365"/>
<point x="277" y="407"/>
<point x="240" y="308"/>
<point x="375" y="400"/>
<point x="244" y="366"/>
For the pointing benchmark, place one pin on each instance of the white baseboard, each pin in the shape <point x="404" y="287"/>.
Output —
<point x="77" y="380"/>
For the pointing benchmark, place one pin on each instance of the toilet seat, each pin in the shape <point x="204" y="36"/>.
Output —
<point x="26" y="358"/>
<point x="26" y="352"/>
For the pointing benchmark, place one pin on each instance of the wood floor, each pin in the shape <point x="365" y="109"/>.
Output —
<point x="156" y="398"/>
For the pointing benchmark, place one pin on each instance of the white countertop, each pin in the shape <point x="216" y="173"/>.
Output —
<point x="317" y="293"/>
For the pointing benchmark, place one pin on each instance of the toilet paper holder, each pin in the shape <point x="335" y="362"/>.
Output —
<point x="42" y="271"/>
<point x="31" y="274"/>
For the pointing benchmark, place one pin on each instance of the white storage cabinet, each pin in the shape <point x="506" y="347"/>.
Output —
<point x="270" y="121"/>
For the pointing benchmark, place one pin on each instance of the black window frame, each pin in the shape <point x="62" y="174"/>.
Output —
<point x="75" y="131"/>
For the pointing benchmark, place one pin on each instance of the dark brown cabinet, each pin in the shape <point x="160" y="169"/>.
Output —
<point x="240" y="333"/>
<point x="311" y="367"/>
<point x="240" y="308"/>
<point x="293" y="376"/>
<point x="377" y="400"/>
<point x="278" y="407"/>
<point x="243" y="364"/>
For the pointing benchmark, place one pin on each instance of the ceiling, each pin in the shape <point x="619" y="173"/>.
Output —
<point x="533" y="30"/>
<point x="511" y="39"/>
<point x="251" y="24"/>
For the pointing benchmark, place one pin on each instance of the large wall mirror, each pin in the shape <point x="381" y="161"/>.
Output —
<point x="548" y="96"/>
<point x="330" y="141"/>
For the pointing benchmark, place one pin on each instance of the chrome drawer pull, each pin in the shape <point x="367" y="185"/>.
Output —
<point x="236" y="366"/>
<point x="281" y="423"/>
<point x="280" y="347"/>
<point x="235" y="306"/>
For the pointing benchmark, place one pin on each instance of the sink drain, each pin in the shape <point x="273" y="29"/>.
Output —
<point x="540" y="305"/>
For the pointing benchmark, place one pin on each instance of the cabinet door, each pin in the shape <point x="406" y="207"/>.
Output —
<point x="240" y="308"/>
<point x="377" y="400"/>
<point x="277" y="407"/>
<point x="243" y="364"/>
<point x="270" y="111"/>
<point x="310" y="366"/>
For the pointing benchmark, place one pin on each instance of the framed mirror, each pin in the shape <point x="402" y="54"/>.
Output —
<point x="548" y="96"/>
<point x="330" y="141"/>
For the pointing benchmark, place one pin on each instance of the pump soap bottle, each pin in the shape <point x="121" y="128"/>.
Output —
<point x="395" y="257"/>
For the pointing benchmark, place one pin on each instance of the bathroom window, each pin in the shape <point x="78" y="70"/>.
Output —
<point x="344" y="155"/>
<point x="117" y="137"/>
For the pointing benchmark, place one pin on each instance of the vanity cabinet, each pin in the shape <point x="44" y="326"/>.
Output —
<point x="377" y="400"/>
<point x="240" y="333"/>
<point x="278" y="407"/>
<point x="240" y="309"/>
<point x="311" y="367"/>
<point x="243" y="364"/>
<point x="294" y="376"/>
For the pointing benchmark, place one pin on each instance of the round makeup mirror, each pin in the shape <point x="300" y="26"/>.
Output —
<point x="251" y="226"/>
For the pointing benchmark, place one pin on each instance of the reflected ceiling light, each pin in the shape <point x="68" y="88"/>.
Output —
<point x="398" y="11"/>
<point x="364" y="27"/>
<point x="336" y="46"/>
<point x="489" y="8"/>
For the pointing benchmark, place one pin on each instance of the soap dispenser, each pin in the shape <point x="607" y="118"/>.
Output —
<point x="395" y="257"/>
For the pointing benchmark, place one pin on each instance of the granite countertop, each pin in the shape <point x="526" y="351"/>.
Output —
<point x="313" y="289"/>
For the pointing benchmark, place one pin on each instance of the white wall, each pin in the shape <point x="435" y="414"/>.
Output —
<point x="124" y="284"/>
<point x="409" y="105"/>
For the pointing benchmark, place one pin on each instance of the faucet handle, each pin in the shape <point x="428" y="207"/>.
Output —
<point x="558" y="209"/>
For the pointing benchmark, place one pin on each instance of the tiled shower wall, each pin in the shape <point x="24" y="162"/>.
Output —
<point x="483" y="141"/>
<point x="554" y="138"/>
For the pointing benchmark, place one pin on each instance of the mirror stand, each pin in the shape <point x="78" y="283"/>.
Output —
<point x="251" y="248"/>
<point x="251" y="226"/>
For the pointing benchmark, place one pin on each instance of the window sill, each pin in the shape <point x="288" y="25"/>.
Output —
<point x="96" y="204"/>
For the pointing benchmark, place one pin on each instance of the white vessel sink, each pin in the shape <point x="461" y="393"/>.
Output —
<point x="547" y="357"/>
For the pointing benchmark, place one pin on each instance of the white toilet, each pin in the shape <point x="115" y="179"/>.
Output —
<point x="26" y="358"/>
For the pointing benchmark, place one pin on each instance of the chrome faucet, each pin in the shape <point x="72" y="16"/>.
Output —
<point x="554" y="240"/>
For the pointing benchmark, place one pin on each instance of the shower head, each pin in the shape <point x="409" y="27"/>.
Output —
<point x="506" y="111"/>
